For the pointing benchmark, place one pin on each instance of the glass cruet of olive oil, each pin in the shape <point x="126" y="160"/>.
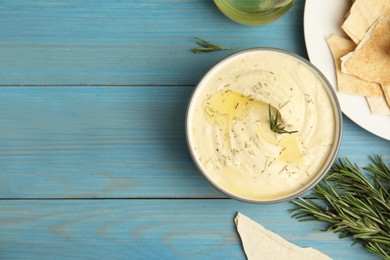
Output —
<point x="254" y="12"/>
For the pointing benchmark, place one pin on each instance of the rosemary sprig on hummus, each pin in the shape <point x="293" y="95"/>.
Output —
<point x="352" y="204"/>
<point x="274" y="125"/>
<point x="206" y="46"/>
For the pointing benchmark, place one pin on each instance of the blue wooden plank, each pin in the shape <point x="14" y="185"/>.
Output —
<point x="124" y="42"/>
<point x="149" y="229"/>
<point x="96" y="142"/>
<point x="112" y="142"/>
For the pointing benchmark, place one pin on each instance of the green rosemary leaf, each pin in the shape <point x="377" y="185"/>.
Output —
<point x="274" y="125"/>
<point x="206" y="46"/>
<point x="353" y="204"/>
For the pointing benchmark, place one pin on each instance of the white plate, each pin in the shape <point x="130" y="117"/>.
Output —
<point x="323" y="18"/>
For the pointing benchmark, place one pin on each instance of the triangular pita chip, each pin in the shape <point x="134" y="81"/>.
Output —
<point x="371" y="59"/>
<point x="386" y="92"/>
<point x="260" y="243"/>
<point x="339" y="47"/>
<point x="378" y="106"/>
<point x="362" y="15"/>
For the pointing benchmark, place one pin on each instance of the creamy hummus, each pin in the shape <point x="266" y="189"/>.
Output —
<point x="229" y="127"/>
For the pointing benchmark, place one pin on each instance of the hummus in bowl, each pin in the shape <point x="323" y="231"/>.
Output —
<point x="263" y="125"/>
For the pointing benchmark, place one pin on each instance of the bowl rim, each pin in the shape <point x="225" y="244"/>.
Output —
<point x="338" y="128"/>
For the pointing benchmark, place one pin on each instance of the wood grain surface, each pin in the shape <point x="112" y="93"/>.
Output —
<point x="93" y="156"/>
<point x="149" y="229"/>
<point x="124" y="42"/>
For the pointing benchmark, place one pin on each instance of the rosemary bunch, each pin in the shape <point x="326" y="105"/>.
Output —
<point x="353" y="205"/>
<point x="205" y="46"/>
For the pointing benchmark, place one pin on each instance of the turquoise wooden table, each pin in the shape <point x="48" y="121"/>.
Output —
<point x="93" y="158"/>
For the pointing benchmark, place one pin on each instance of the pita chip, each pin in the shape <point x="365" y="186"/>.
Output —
<point x="386" y="91"/>
<point x="346" y="83"/>
<point x="260" y="243"/>
<point x="362" y="15"/>
<point x="371" y="59"/>
<point x="378" y="106"/>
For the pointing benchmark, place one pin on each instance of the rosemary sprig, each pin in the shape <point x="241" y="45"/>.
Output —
<point x="274" y="125"/>
<point x="206" y="46"/>
<point x="353" y="205"/>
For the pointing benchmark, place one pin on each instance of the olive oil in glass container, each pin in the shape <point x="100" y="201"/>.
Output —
<point x="254" y="12"/>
